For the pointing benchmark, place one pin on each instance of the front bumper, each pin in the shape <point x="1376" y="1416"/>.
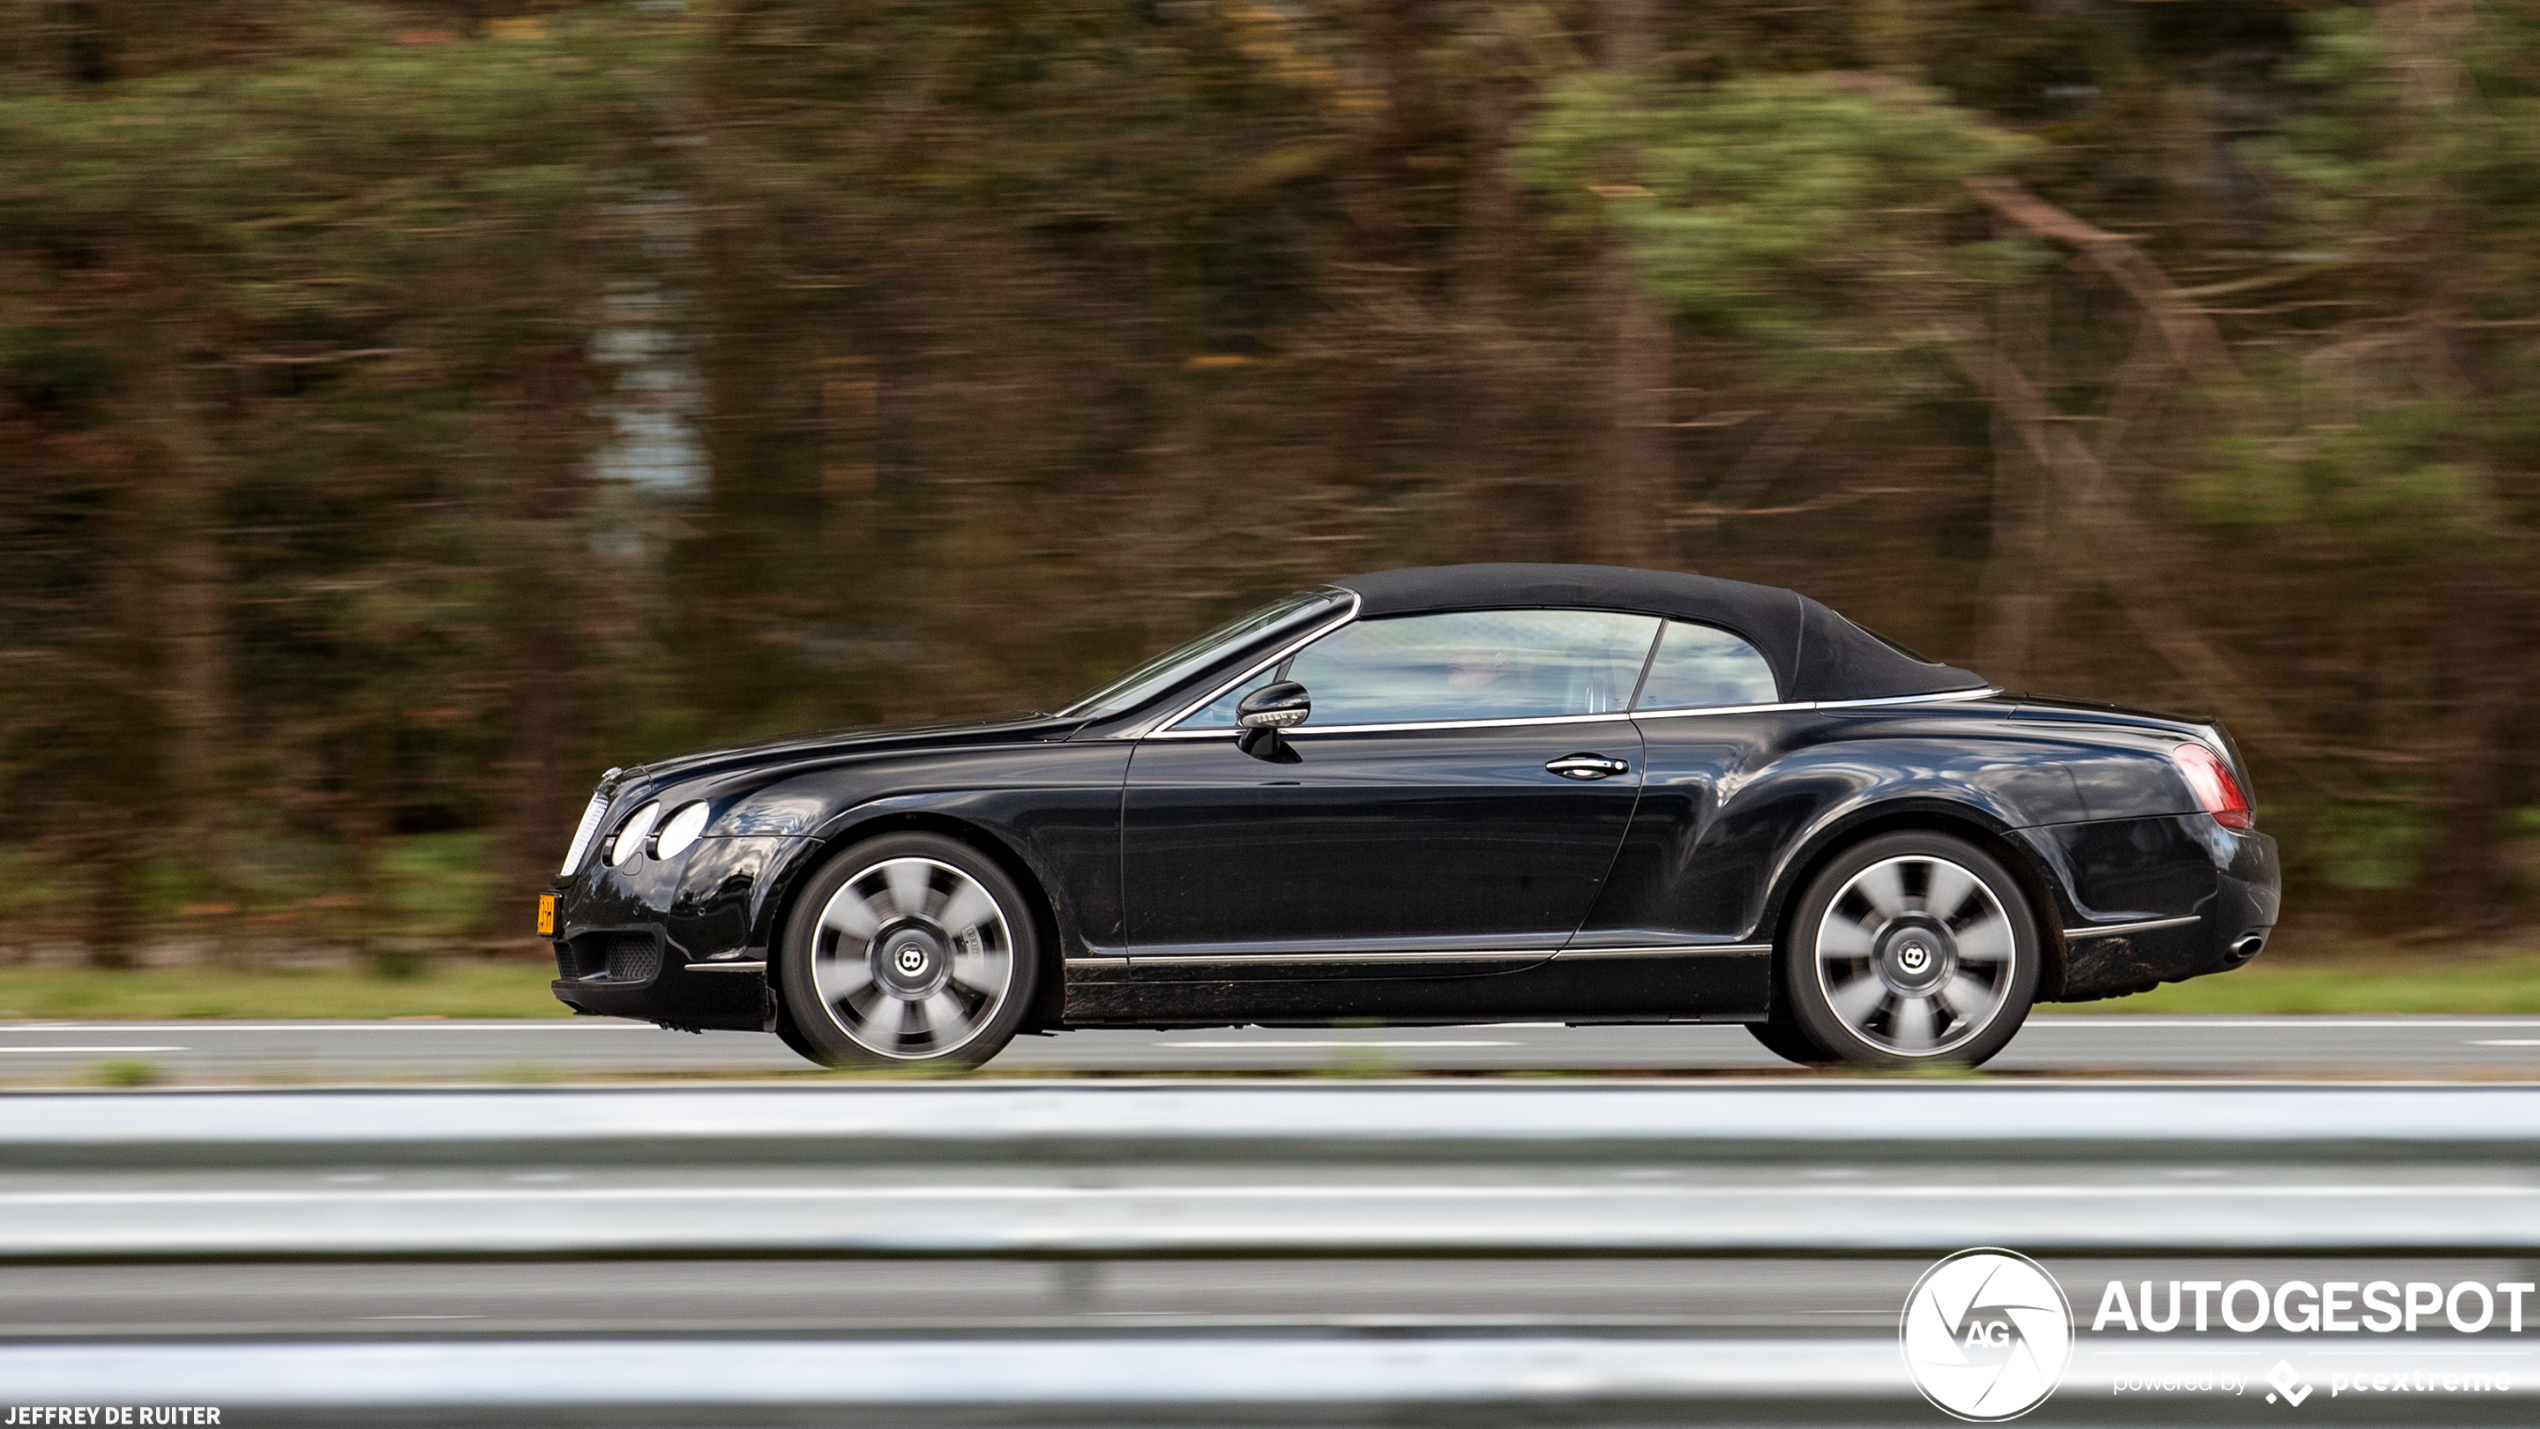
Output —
<point x="669" y="941"/>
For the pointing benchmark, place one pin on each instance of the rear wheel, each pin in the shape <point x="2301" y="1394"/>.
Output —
<point x="1912" y="949"/>
<point x="910" y="949"/>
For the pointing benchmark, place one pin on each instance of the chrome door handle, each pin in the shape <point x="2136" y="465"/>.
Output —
<point x="1588" y="766"/>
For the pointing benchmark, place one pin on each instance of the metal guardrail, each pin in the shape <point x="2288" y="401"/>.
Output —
<point x="1117" y="1171"/>
<point x="1713" y="1120"/>
<point x="1098" y="1171"/>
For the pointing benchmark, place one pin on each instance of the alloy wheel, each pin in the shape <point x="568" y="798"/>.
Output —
<point x="913" y="958"/>
<point x="1915" y="955"/>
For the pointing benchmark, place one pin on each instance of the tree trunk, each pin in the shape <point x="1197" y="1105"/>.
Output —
<point x="1629" y="517"/>
<point x="1486" y="296"/>
<point x="2477" y="633"/>
<point x="189" y="523"/>
<point x="1627" y="520"/>
<point x="2017" y="605"/>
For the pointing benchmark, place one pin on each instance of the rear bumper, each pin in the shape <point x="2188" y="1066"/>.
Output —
<point x="2158" y="900"/>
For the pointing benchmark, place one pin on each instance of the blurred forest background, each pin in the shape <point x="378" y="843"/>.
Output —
<point x="409" y="410"/>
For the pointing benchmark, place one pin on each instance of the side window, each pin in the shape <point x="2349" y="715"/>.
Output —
<point x="1483" y="664"/>
<point x="1220" y="713"/>
<point x="1700" y="666"/>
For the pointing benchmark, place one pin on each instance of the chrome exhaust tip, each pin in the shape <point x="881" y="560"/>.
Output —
<point x="2246" y="949"/>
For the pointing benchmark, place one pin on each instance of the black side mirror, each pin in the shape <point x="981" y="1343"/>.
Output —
<point x="1265" y="712"/>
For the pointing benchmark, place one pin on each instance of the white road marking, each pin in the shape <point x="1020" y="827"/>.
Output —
<point x="1363" y="1042"/>
<point x="95" y="1049"/>
<point x="590" y="1024"/>
<point x="2293" y="1022"/>
<point x="1144" y="1194"/>
<point x="2506" y="1042"/>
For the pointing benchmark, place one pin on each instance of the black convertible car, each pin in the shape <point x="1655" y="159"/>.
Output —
<point x="1443" y="795"/>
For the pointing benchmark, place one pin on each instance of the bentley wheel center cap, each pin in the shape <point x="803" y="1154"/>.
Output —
<point x="912" y="959"/>
<point x="1913" y="957"/>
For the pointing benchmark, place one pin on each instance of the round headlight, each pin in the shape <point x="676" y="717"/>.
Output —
<point x="680" y="830"/>
<point x="630" y="835"/>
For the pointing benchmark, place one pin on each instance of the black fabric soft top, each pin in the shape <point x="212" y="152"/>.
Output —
<point x="1815" y="653"/>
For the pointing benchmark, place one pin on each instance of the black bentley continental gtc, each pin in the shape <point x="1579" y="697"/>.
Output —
<point x="1454" y="794"/>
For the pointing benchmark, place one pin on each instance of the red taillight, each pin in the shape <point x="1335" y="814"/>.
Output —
<point x="2214" y="786"/>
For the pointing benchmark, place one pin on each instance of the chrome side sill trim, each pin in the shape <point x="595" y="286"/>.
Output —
<point x="1116" y="961"/>
<point x="1679" y="950"/>
<point x="2110" y="930"/>
<point x="727" y="967"/>
<point x="1459" y="955"/>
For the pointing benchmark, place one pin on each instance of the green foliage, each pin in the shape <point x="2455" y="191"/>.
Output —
<point x="2385" y="483"/>
<point x="1813" y="214"/>
<point x="1021" y="338"/>
<point x="2373" y="847"/>
<point x="315" y="329"/>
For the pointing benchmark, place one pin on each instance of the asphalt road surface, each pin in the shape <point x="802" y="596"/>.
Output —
<point x="296" y="1052"/>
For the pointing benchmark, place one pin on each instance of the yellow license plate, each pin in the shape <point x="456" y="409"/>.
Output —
<point x="546" y="915"/>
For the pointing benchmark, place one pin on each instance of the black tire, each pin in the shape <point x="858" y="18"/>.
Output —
<point x="792" y="1036"/>
<point x="870" y="982"/>
<point x="1787" y="1041"/>
<point x="1878" y="973"/>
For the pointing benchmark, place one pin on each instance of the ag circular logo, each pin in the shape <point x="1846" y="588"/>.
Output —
<point x="1987" y="1334"/>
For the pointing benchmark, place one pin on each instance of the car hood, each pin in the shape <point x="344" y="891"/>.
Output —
<point x="1020" y="727"/>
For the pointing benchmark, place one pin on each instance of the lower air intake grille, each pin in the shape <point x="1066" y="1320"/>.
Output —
<point x="609" y="957"/>
<point x="633" y="957"/>
<point x="578" y="958"/>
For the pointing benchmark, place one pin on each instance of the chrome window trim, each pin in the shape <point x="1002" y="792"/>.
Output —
<point x="1672" y="950"/>
<point x="1164" y="727"/>
<point x="1944" y="697"/>
<point x="1682" y="711"/>
<point x="1310" y="727"/>
<point x="1165" y="723"/>
<point x="2110" y="930"/>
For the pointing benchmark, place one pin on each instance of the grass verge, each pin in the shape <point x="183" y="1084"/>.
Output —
<point x="449" y="989"/>
<point x="2378" y="980"/>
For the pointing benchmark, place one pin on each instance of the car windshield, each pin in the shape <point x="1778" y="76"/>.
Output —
<point x="1185" y="660"/>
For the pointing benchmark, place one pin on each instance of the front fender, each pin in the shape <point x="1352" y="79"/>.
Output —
<point x="1050" y="813"/>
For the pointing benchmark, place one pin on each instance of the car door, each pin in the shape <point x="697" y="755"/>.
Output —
<point x="1451" y="805"/>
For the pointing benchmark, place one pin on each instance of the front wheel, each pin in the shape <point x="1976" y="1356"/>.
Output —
<point x="1912" y="949"/>
<point x="908" y="950"/>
